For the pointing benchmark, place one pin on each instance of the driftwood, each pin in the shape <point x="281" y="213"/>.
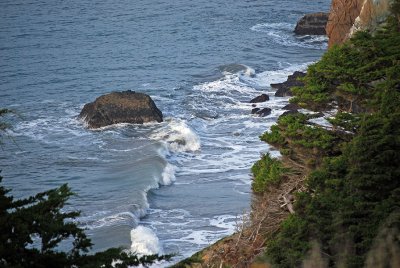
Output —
<point x="288" y="199"/>
<point x="264" y="220"/>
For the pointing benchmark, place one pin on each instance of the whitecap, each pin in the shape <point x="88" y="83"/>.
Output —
<point x="168" y="174"/>
<point x="282" y="34"/>
<point x="178" y="136"/>
<point x="145" y="241"/>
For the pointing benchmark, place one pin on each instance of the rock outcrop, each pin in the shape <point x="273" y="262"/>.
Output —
<point x="120" y="107"/>
<point x="283" y="89"/>
<point x="261" y="98"/>
<point x="372" y="14"/>
<point x="261" y="112"/>
<point x="349" y="16"/>
<point x="312" y="24"/>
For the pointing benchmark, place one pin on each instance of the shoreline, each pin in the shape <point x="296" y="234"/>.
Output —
<point x="230" y="247"/>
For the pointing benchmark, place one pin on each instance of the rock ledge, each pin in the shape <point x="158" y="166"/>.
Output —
<point x="312" y="24"/>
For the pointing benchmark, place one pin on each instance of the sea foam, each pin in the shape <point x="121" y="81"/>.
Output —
<point x="145" y="241"/>
<point x="168" y="174"/>
<point x="178" y="136"/>
<point x="282" y="33"/>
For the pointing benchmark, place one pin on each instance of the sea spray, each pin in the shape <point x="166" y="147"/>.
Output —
<point x="145" y="241"/>
<point x="168" y="174"/>
<point x="178" y="136"/>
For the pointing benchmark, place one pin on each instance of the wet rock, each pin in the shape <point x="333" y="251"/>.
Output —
<point x="261" y="111"/>
<point x="312" y="24"/>
<point x="291" y="107"/>
<point x="264" y="112"/>
<point x="261" y="98"/>
<point x="120" y="107"/>
<point x="283" y="89"/>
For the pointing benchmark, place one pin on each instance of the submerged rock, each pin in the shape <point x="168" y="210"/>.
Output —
<point x="283" y="89"/>
<point x="312" y="24"/>
<point x="121" y="107"/>
<point x="261" y="98"/>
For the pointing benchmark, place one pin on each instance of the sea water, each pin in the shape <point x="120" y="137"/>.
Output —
<point x="173" y="187"/>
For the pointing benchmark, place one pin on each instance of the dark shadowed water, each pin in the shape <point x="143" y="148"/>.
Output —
<point x="170" y="187"/>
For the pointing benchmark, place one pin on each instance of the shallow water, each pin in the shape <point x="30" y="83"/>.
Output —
<point x="186" y="179"/>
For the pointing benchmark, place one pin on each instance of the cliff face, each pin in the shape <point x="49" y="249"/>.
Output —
<point x="348" y="16"/>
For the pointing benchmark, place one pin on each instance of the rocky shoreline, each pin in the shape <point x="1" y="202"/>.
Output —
<point x="235" y="249"/>
<point x="304" y="144"/>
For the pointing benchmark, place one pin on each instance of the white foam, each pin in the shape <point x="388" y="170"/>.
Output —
<point x="226" y="222"/>
<point x="282" y="34"/>
<point x="168" y="174"/>
<point x="250" y="72"/>
<point x="266" y="78"/>
<point x="178" y="136"/>
<point x="229" y="83"/>
<point x="145" y="241"/>
<point x="321" y="121"/>
<point x="111" y="220"/>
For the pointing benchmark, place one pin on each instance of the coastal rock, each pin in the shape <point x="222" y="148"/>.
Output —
<point x="348" y="17"/>
<point x="261" y="112"/>
<point x="120" y="107"/>
<point x="291" y="107"/>
<point x="261" y="98"/>
<point x="264" y="112"/>
<point x="372" y="14"/>
<point x="283" y="89"/>
<point x="312" y="24"/>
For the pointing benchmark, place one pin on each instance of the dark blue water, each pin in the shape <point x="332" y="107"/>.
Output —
<point x="183" y="182"/>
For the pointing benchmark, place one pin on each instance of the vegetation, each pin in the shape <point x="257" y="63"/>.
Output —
<point x="266" y="171"/>
<point x="353" y="194"/>
<point x="348" y="74"/>
<point x="31" y="230"/>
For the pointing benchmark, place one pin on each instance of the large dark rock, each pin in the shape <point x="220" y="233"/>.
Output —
<point x="264" y="112"/>
<point x="312" y="24"/>
<point x="261" y="98"/>
<point x="261" y="112"/>
<point x="121" y="107"/>
<point x="283" y="89"/>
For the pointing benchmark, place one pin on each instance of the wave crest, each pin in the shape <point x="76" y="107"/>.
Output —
<point x="145" y="241"/>
<point x="178" y="136"/>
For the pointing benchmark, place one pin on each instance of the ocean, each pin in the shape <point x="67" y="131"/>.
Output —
<point x="173" y="187"/>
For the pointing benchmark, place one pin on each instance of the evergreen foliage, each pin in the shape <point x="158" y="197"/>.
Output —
<point x="266" y="171"/>
<point x="351" y="70"/>
<point x="31" y="230"/>
<point x="355" y="191"/>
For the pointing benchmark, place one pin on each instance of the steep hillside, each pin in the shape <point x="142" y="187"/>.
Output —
<point x="333" y="198"/>
<point x="350" y="205"/>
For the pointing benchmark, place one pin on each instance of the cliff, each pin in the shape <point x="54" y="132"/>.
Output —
<point x="332" y="198"/>
<point x="349" y="16"/>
